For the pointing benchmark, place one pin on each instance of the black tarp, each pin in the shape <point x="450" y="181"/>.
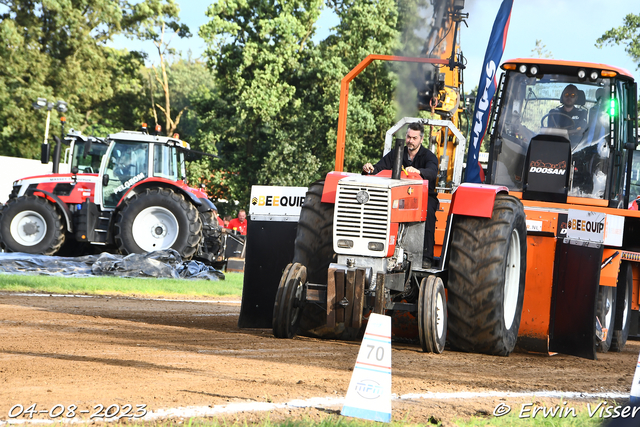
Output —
<point x="157" y="264"/>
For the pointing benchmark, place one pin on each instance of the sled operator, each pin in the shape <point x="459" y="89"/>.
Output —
<point x="568" y="115"/>
<point x="417" y="159"/>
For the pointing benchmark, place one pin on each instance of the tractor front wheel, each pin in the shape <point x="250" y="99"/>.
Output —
<point x="32" y="225"/>
<point x="432" y="315"/>
<point x="486" y="283"/>
<point x="289" y="301"/>
<point x="314" y="250"/>
<point x="158" y="219"/>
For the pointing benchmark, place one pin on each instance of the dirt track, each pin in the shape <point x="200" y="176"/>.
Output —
<point x="165" y="354"/>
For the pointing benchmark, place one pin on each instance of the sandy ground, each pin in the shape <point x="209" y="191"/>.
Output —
<point x="83" y="352"/>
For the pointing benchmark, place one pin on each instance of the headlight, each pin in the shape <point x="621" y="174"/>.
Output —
<point x="345" y="243"/>
<point x="375" y="246"/>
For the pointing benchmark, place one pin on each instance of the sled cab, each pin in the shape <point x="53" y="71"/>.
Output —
<point x="559" y="131"/>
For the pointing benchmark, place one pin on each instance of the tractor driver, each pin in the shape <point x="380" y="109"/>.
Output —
<point x="568" y="116"/>
<point x="417" y="159"/>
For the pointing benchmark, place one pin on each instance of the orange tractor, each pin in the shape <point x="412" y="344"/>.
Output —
<point x="543" y="255"/>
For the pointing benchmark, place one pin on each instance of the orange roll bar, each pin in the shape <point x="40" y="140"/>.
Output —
<point x="344" y="95"/>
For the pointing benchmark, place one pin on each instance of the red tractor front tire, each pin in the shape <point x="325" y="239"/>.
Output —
<point x="32" y="225"/>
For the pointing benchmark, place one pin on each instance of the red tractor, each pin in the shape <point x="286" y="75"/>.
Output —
<point x="552" y="214"/>
<point x="127" y="192"/>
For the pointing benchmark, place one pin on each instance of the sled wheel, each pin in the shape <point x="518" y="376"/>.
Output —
<point x="432" y="315"/>
<point x="624" y="294"/>
<point x="289" y="301"/>
<point x="33" y="225"/>
<point x="606" y="313"/>
<point x="158" y="219"/>
<point x="487" y="278"/>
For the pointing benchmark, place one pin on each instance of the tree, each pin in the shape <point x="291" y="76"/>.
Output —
<point x="540" y="50"/>
<point x="627" y="34"/>
<point x="257" y="52"/>
<point x="57" y="49"/>
<point x="160" y="21"/>
<point x="188" y="78"/>
<point x="273" y="115"/>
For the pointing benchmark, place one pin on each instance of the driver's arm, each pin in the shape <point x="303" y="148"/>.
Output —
<point x="580" y="124"/>
<point x="386" y="163"/>
<point x="430" y="170"/>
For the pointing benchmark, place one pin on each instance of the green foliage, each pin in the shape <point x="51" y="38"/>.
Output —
<point x="231" y="286"/>
<point x="56" y="49"/>
<point x="273" y="115"/>
<point x="627" y="34"/>
<point x="188" y="79"/>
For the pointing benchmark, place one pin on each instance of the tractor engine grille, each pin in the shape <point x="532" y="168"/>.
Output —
<point x="362" y="223"/>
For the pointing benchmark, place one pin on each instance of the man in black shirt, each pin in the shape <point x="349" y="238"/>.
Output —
<point x="417" y="159"/>
<point x="568" y="116"/>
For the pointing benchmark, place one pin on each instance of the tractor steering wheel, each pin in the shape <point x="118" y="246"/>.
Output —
<point x="559" y="113"/>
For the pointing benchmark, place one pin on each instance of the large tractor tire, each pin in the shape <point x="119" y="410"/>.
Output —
<point x="155" y="220"/>
<point x="606" y="313"/>
<point x="486" y="279"/>
<point x="314" y="250"/>
<point x="624" y="296"/>
<point x="314" y="238"/>
<point x="32" y="225"/>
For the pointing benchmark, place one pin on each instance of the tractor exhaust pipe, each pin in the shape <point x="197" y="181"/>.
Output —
<point x="397" y="160"/>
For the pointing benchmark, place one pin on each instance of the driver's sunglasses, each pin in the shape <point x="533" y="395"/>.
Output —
<point x="572" y="95"/>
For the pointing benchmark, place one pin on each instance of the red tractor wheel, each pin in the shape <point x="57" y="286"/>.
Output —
<point x="32" y="225"/>
<point x="155" y="220"/>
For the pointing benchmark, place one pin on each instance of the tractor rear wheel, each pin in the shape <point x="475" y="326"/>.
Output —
<point x="289" y="299"/>
<point x="155" y="220"/>
<point x="486" y="279"/>
<point x="624" y="294"/>
<point x="606" y="313"/>
<point x="32" y="225"/>
<point x="432" y="315"/>
<point x="314" y="249"/>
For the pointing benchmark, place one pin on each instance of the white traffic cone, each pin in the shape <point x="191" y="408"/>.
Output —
<point x="369" y="393"/>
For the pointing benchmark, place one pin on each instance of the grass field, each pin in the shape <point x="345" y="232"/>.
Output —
<point x="102" y="285"/>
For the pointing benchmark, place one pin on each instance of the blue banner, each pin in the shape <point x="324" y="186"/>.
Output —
<point x="487" y="88"/>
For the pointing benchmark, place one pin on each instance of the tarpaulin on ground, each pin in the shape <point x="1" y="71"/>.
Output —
<point x="158" y="264"/>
